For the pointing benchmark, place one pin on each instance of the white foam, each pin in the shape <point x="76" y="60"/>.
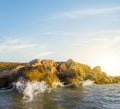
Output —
<point x="30" y="89"/>
<point x="57" y="84"/>
<point x="86" y="82"/>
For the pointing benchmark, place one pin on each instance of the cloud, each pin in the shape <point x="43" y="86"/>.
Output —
<point x="15" y="44"/>
<point x="22" y="50"/>
<point x="45" y="53"/>
<point x="100" y="43"/>
<point x="74" y="14"/>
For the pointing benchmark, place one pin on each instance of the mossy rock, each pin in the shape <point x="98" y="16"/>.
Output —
<point x="40" y="73"/>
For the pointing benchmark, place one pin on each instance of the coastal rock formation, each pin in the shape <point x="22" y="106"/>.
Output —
<point x="69" y="73"/>
<point x="38" y="73"/>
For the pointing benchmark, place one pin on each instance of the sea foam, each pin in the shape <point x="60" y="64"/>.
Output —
<point x="86" y="83"/>
<point x="30" y="89"/>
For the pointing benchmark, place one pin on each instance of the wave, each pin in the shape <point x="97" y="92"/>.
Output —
<point x="30" y="89"/>
<point x="86" y="83"/>
<point x="5" y="90"/>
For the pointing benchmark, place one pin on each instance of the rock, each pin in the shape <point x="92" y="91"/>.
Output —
<point x="5" y="79"/>
<point x="69" y="62"/>
<point x="35" y="62"/>
<point x="15" y="70"/>
<point x="53" y="70"/>
<point x="97" y="69"/>
<point x="38" y="73"/>
<point x="7" y="76"/>
<point x="62" y="67"/>
<point x="26" y="65"/>
<point x="48" y="63"/>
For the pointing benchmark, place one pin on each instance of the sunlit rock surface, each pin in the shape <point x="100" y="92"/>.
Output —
<point x="69" y="73"/>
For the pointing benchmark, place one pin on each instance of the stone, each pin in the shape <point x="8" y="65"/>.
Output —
<point x="48" y="63"/>
<point x="5" y="78"/>
<point x="35" y="62"/>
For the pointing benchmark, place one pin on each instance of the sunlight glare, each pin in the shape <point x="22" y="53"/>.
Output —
<point x="109" y="64"/>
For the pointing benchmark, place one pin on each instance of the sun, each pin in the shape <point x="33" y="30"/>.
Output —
<point x="109" y="64"/>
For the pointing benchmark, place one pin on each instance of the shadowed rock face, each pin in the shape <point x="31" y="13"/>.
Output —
<point x="5" y="78"/>
<point x="69" y="73"/>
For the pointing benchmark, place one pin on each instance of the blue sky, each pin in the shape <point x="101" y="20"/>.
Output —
<point x="86" y="30"/>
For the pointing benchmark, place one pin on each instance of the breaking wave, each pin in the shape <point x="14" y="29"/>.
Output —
<point x="30" y="89"/>
<point x="86" y="83"/>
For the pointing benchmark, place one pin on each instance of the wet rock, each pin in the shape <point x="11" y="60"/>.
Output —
<point x="5" y="78"/>
<point x="38" y="73"/>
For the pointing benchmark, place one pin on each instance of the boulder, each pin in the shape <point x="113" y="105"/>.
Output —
<point x="53" y="70"/>
<point x="26" y="65"/>
<point x="62" y="67"/>
<point x="38" y="73"/>
<point x="35" y="62"/>
<point x="8" y="76"/>
<point x="16" y="69"/>
<point x="5" y="79"/>
<point x="48" y="63"/>
<point x="97" y="69"/>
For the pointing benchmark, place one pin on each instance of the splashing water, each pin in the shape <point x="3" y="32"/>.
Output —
<point x="30" y="89"/>
<point x="86" y="83"/>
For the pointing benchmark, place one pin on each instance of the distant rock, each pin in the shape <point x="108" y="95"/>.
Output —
<point x="97" y="69"/>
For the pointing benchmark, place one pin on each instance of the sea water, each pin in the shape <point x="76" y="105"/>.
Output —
<point x="88" y="97"/>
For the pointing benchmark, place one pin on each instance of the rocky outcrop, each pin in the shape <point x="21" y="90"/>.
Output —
<point x="38" y="73"/>
<point x="69" y="73"/>
<point x="37" y="70"/>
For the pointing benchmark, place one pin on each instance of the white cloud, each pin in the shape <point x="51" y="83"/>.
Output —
<point x="74" y="14"/>
<point x="15" y="44"/>
<point x="45" y="53"/>
<point x="21" y="50"/>
<point x="105" y="39"/>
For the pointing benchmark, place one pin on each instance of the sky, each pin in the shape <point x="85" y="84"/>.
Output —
<point x="88" y="31"/>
